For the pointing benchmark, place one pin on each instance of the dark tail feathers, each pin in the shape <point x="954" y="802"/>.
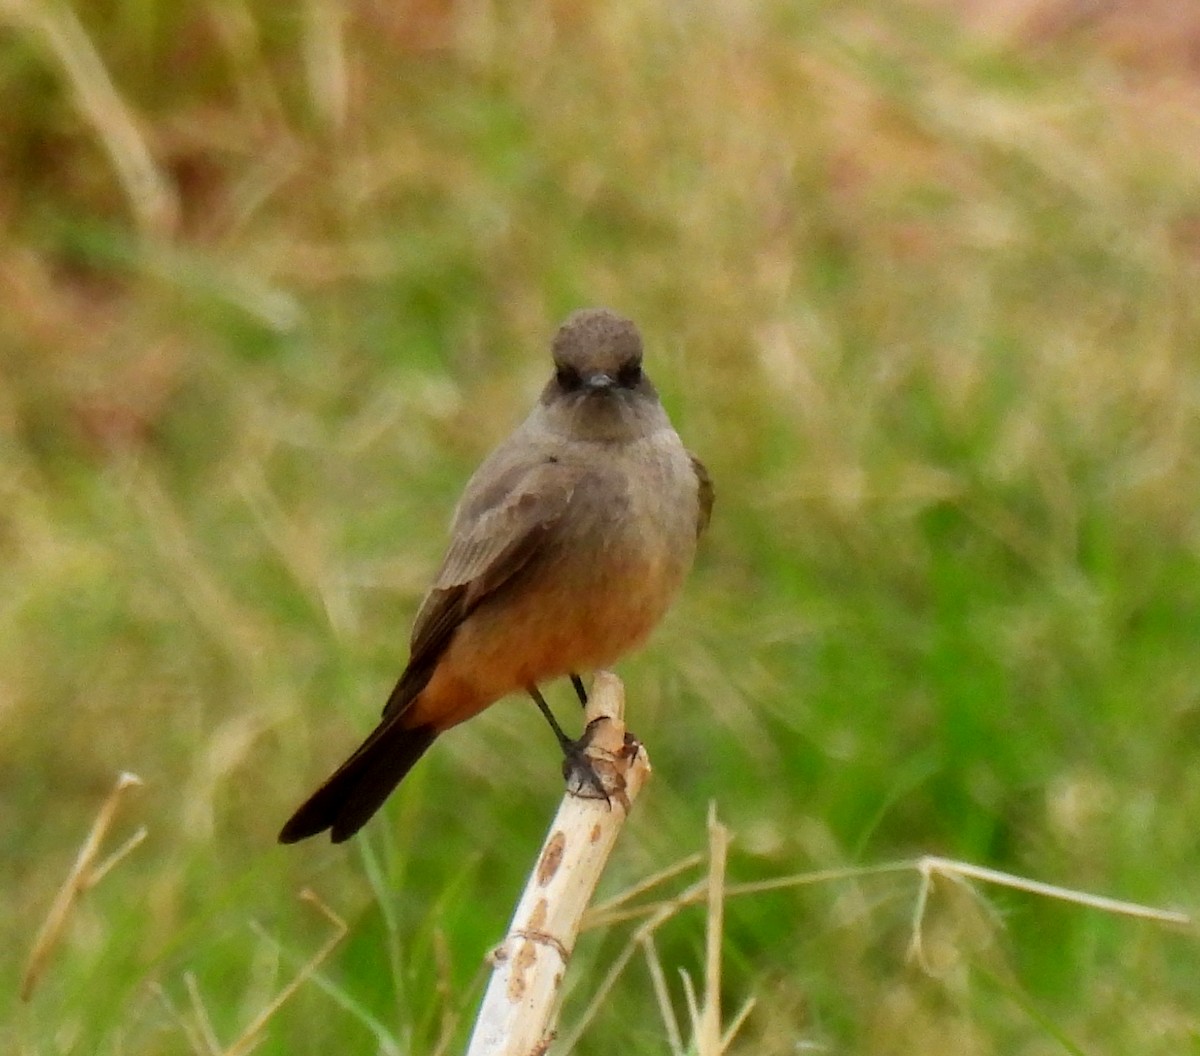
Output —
<point x="360" y="785"/>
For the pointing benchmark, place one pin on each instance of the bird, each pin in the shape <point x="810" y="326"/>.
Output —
<point x="567" y="547"/>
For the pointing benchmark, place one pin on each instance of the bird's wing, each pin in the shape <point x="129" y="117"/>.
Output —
<point x="501" y="528"/>
<point x="705" y="494"/>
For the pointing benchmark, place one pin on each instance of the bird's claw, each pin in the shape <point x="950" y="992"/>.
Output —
<point x="579" y="768"/>
<point x="600" y="773"/>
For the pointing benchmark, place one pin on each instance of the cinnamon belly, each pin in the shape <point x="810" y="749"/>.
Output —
<point x="541" y="632"/>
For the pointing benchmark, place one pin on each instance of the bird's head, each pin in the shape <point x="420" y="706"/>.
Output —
<point x="599" y="390"/>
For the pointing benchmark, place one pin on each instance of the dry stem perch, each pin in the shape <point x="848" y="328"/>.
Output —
<point x="85" y="873"/>
<point x="519" y="1007"/>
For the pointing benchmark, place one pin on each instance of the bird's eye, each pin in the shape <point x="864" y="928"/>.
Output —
<point x="629" y="375"/>
<point x="568" y="378"/>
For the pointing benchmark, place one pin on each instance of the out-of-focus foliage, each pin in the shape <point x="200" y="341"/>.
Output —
<point x="920" y="290"/>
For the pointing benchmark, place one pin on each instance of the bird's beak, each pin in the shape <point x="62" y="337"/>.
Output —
<point x="598" y="382"/>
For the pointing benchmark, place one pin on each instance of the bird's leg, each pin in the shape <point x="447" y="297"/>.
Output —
<point x="580" y="692"/>
<point x="578" y="770"/>
<point x="564" y="742"/>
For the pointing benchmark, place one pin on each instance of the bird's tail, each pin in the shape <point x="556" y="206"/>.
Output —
<point x="360" y="785"/>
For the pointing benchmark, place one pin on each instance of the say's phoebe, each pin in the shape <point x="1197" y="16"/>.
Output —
<point x="568" y="545"/>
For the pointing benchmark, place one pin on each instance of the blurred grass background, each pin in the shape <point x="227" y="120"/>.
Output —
<point x="917" y="282"/>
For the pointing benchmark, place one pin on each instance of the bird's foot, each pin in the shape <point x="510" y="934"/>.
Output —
<point x="596" y="773"/>
<point x="631" y="747"/>
<point x="579" y="768"/>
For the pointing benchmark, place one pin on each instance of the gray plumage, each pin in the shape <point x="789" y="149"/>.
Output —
<point x="569" y="543"/>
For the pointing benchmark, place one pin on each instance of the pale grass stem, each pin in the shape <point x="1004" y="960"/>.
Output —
<point x="151" y="197"/>
<point x="601" y="913"/>
<point x="658" y="980"/>
<point x="205" y="1036"/>
<point x="198" y="1028"/>
<point x="444" y="988"/>
<point x="713" y="890"/>
<point x="252" y="1033"/>
<point x="194" y="1041"/>
<point x="705" y="1018"/>
<point x="931" y="866"/>
<point x="385" y="1040"/>
<point x="707" y="1030"/>
<point x="689" y="995"/>
<point x="325" y="62"/>
<point x="83" y="875"/>
<point x="664" y="912"/>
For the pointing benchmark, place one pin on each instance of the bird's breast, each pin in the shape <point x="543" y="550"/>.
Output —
<point x="614" y="567"/>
